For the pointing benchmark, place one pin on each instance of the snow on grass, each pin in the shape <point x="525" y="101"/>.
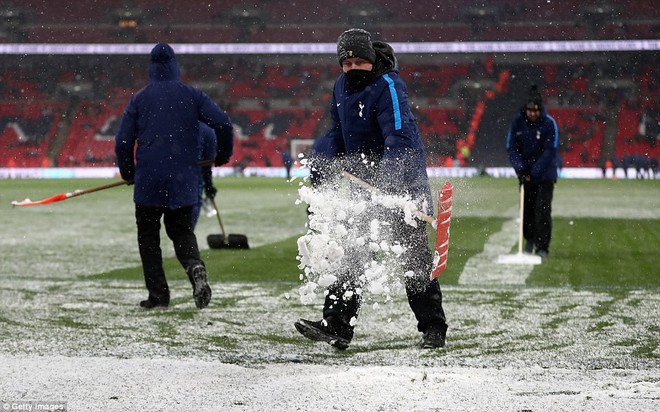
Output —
<point x="88" y="344"/>
<point x="253" y="323"/>
<point x="201" y="385"/>
<point x="509" y="347"/>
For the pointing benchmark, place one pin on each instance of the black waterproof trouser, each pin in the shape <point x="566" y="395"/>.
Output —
<point x="537" y="214"/>
<point x="424" y="295"/>
<point x="178" y="226"/>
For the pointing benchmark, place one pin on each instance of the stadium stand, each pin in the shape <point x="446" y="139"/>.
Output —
<point x="463" y="102"/>
<point x="26" y="131"/>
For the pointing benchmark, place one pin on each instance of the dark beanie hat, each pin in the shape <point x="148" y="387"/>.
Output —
<point x="534" y="101"/>
<point x="355" y="43"/>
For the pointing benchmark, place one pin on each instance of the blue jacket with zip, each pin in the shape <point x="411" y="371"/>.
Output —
<point x="375" y="129"/>
<point x="532" y="147"/>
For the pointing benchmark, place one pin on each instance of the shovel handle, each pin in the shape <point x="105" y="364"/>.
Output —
<point x="217" y="213"/>
<point x="423" y="216"/>
<point x="97" y="188"/>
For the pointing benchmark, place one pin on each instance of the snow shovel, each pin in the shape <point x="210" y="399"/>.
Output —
<point x="520" y="258"/>
<point x="223" y="241"/>
<point x="441" y="224"/>
<point x="67" y="195"/>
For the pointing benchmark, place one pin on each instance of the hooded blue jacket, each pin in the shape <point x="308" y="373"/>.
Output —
<point x="374" y="127"/>
<point x="532" y="147"/>
<point x="157" y="144"/>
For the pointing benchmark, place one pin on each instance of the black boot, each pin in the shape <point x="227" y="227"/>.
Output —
<point x="326" y="330"/>
<point x="150" y="304"/>
<point x="201" y="288"/>
<point x="434" y="337"/>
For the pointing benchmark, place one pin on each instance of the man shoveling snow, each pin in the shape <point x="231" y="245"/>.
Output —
<point x="358" y="241"/>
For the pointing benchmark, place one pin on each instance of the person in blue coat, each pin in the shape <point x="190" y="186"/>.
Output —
<point x="373" y="135"/>
<point x="207" y="148"/>
<point x="157" y="149"/>
<point x="532" y="143"/>
<point x="287" y="161"/>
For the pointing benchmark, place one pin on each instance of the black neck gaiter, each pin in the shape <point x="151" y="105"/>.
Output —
<point x="359" y="79"/>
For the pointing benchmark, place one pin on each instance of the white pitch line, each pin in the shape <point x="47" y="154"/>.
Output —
<point x="483" y="269"/>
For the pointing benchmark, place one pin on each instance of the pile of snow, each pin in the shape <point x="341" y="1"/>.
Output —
<point x="349" y="227"/>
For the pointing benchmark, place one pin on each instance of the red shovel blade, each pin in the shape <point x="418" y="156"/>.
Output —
<point x="445" y="197"/>
<point x="52" y="199"/>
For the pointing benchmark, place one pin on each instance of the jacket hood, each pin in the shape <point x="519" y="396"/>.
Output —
<point x="385" y="59"/>
<point x="162" y="64"/>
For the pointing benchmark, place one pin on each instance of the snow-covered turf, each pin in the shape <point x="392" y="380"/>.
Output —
<point x="69" y="338"/>
<point x="139" y="384"/>
<point x="520" y="349"/>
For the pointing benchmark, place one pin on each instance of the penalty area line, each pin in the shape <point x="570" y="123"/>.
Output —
<point x="483" y="269"/>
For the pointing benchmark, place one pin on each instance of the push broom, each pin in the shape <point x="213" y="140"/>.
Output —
<point x="520" y="258"/>
<point x="224" y="241"/>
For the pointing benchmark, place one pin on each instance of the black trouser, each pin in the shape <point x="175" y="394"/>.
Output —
<point x="179" y="229"/>
<point x="424" y="295"/>
<point x="537" y="214"/>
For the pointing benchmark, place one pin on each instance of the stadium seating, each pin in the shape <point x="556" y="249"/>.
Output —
<point x="90" y="141"/>
<point x="273" y="100"/>
<point x="629" y="140"/>
<point x="308" y="21"/>
<point x="581" y="135"/>
<point x="26" y="130"/>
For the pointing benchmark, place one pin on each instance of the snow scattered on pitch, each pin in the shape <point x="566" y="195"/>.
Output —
<point x="113" y="384"/>
<point x="509" y="347"/>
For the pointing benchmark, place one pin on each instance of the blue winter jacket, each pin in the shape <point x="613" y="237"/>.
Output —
<point x="207" y="149"/>
<point x="208" y="146"/>
<point x="532" y="147"/>
<point x="157" y="144"/>
<point x="376" y="125"/>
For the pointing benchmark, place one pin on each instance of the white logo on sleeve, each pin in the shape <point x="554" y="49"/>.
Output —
<point x="361" y="105"/>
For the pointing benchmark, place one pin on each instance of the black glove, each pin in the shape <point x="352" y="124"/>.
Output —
<point x="210" y="191"/>
<point x="221" y="160"/>
<point x="524" y="178"/>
